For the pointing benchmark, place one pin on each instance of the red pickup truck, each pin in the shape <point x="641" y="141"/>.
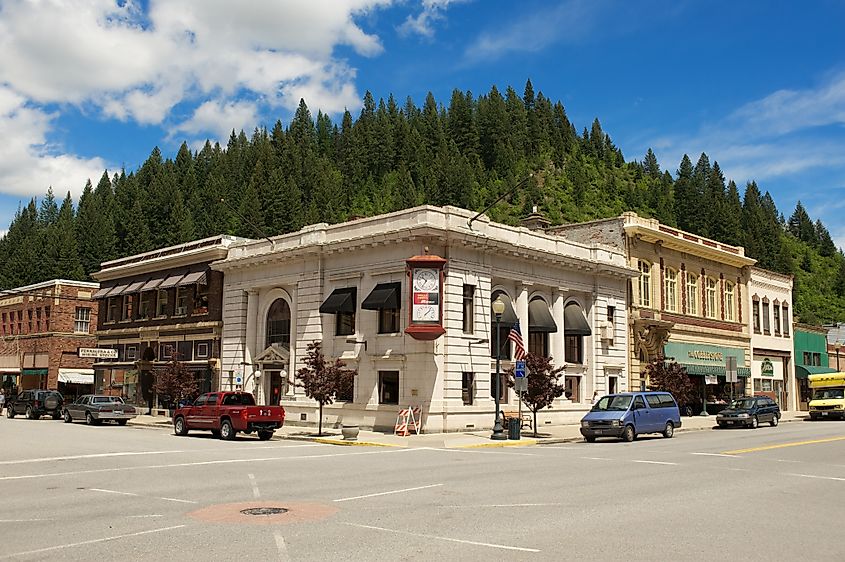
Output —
<point x="227" y="413"/>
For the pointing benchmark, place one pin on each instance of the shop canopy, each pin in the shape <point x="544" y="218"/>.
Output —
<point x="539" y="317"/>
<point x="803" y="371"/>
<point x="341" y="300"/>
<point x="171" y="281"/>
<point x="195" y="277"/>
<point x="713" y="370"/>
<point x="119" y="290"/>
<point x="76" y="376"/>
<point x="574" y="321"/>
<point x="103" y="292"/>
<point x="135" y="287"/>
<point x="385" y="296"/>
<point x="153" y="283"/>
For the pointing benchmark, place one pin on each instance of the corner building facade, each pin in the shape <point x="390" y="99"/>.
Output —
<point x="688" y="301"/>
<point x="347" y="286"/>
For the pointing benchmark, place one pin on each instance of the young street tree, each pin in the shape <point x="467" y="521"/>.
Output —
<point x="323" y="380"/>
<point x="543" y="384"/>
<point x="175" y="382"/>
<point x="670" y="377"/>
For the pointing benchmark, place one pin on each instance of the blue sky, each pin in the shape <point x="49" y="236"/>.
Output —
<point x="95" y="84"/>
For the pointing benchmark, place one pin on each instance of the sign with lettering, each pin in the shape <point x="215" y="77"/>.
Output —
<point x="701" y="354"/>
<point x="766" y="368"/>
<point x="97" y="353"/>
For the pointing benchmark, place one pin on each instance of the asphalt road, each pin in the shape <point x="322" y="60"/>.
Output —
<point x="71" y="492"/>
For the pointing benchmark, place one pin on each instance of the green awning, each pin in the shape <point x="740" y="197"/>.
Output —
<point x="804" y="371"/>
<point x="38" y="372"/>
<point x="717" y="370"/>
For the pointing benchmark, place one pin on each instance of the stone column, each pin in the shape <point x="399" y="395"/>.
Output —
<point x="557" y="343"/>
<point x="250" y="350"/>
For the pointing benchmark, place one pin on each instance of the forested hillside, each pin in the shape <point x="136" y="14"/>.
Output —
<point x="466" y="153"/>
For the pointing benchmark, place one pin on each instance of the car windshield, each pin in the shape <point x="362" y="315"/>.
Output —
<point x="742" y="404"/>
<point x="612" y="404"/>
<point x="829" y="394"/>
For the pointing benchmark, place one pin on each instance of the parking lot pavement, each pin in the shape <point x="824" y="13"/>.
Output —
<point x="72" y="490"/>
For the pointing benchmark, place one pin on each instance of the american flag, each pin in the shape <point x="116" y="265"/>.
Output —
<point x="516" y="337"/>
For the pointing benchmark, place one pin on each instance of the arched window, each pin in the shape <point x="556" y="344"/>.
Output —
<point x="712" y="302"/>
<point x="670" y="290"/>
<point x="729" y="301"/>
<point x="692" y="294"/>
<point x="645" y="284"/>
<point x="278" y="324"/>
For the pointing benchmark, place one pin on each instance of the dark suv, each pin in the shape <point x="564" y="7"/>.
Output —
<point x="750" y="411"/>
<point x="36" y="403"/>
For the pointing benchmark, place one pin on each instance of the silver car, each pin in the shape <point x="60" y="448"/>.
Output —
<point x="96" y="408"/>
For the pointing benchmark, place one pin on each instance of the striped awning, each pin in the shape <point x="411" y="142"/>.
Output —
<point x="171" y="281"/>
<point x="103" y="292"/>
<point x="195" y="277"/>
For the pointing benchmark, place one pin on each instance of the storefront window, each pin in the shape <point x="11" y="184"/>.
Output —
<point x="670" y="285"/>
<point x="645" y="283"/>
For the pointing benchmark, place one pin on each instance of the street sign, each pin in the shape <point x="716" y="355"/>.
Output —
<point x="520" y="384"/>
<point x="97" y="353"/>
<point x="730" y="369"/>
<point x="519" y="369"/>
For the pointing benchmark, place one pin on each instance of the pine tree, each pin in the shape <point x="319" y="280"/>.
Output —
<point x="826" y="246"/>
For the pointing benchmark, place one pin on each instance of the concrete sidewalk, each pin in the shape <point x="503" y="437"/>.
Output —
<point x="476" y="439"/>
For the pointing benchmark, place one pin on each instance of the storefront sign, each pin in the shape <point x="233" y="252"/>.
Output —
<point x="766" y="368"/>
<point x="699" y="354"/>
<point x="97" y="353"/>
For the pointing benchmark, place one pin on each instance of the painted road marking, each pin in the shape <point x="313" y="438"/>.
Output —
<point x="94" y="456"/>
<point x="138" y="495"/>
<point x="203" y="463"/>
<point x="255" y="492"/>
<point x="658" y="462"/>
<point x="716" y="455"/>
<point x="94" y="541"/>
<point x="816" y="477"/>
<point x="502" y="505"/>
<point x="597" y="458"/>
<point x="387" y="493"/>
<point x="281" y="547"/>
<point x="420" y="535"/>
<point x="783" y="445"/>
<point x="144" y="516"/>
<point x="476" y="451"/>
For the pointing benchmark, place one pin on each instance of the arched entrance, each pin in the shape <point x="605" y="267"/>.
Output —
<point x="274" y="360"/>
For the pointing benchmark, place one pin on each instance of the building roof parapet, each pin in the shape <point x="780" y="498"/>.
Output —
<point x="769" y="275"/>
<point x="810" y="328"/>
<point x="448" y="223"/>
<point x="49" y="284"/>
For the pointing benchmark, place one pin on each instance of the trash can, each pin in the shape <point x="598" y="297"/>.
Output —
<point x="513" y="429"/>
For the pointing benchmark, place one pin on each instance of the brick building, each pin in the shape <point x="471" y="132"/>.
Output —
<point x="42" y="326"/>
<point x="158" y="306"/>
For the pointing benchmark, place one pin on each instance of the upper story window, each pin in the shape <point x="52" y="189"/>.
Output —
<point x="342" y="303"/>
<point x="82" y="320"/>
<point x="776" y="312"/>
<point x="729" y="302"/>
<point x="278" y="323"/>
<point x="692" y="294"/>
<point x="161" y="302"/>
<point x="670" y="290"/>
<point x="786" y="320"/>
<point x="712" y="302"/>
<point x="201" y="299"/>
<point x="767" y="327"/>
<point x="755" y="312"/>
<point x="468" y="309"/>
<point x="47" y="318"/>
<point x="146" y="305"/>
<point x="29" y="320"/>
<point x="644" y="284"/>
<point x="113" y="311"/>
<point x="127" y="308"/>
<point x="183" y="297"/>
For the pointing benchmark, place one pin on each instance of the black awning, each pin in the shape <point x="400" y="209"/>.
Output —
<point x="539" y="317"/>
<point x="385" y="296"/>
<point x="341" y="300"/>
<point x="509" y="315"/>
<point x="574" y="322"/>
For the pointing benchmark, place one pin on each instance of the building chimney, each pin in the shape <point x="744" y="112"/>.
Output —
<point x="536" y="220"/>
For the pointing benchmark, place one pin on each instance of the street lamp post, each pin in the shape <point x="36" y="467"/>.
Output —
<point x="498" y="431"/>
<point x="837" y="345"/>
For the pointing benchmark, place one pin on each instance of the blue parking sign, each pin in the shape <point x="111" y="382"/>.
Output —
<point x="519" y="370"/>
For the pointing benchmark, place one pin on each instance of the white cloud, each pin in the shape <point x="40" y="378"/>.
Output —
<point x="134" y="63"/>
<point x="423" y="23"/>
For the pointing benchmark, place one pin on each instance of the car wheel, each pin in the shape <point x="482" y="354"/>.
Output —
<point x="179" y="426"/>
<point x="722" y="425"/>
<point x="57" y="415"/>
<point x="30" y="415"/>
<point x="89" y="419"/>
<point x="226" y="431"/>
<point x="122" y="422"/>
<point x="755" y="423"/>
<point x="628" y="433"/>
<point x="775" y="421"/>
<point x="590" y="439"/>
<point x="10" y="413"/>
<point x="66" y="416"/>
<point x="265" y="435"/>
<point x="814" y="417"/>
<point x="669" y="430"/>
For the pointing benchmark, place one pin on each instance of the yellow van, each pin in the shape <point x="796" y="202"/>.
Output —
<point x="828" y="396"/>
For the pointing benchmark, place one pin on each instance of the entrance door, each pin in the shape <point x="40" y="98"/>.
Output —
<point x="611" y="385"/>
<point x="277" y="388"/>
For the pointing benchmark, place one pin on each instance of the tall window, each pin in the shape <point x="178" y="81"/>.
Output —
<point x="692" y="294"/>
<point x="670" y="289"/>
<point x="146" y="305"/>
<point x="776" y="312"/>
<point x="161" y="303"/>
<point x="767" y="328"/>
<point x="126" y="307"/>
<point x="645" y="283"/>
<point x="786" y="320"/>
<point x="47" y="318"/>
<point x="29" y="320"/>
<point x="388" y="387"/>
<point x="278" y="323"/>
<point x="82" y="320"/>
<point x="183" y="296"/>
<point x="729" y="302"/>
<point x="201" y="299"/>
<point x="712" y="309"/>
<point x="38" y="319"/>
<point x="755" y="311"/>
<point x="388" y="320"/>
<point x="113" y="310"/>
<point x="467" y="388"/>
<point x="344" y="324"/>
<point x="538" y="344"/>
<point x="468" y="308"/>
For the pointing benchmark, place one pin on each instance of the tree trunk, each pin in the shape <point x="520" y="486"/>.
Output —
<point x="535" y="423"/>
<point x="320" y="423"/>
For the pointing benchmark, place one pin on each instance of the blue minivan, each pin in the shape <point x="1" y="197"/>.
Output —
<point x="629" y="414"/>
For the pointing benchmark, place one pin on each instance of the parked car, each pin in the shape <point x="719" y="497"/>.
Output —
<point x="227" y="413"/>
<point x="630" y="414"/>
<point x="95" y="409"/>
<point x="36" y="403"/>
<point x="750" y="412"/>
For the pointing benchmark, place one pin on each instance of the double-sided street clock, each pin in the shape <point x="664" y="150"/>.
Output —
<point x="425" y="297"/>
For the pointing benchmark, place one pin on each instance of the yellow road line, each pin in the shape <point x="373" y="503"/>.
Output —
<point x="782" y="445"/>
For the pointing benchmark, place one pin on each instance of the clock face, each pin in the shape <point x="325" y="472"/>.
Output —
<point x="426" y="313"/>
<point x="426" y="280"/>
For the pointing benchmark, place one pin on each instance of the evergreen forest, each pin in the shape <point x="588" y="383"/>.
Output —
<point x="467" y="153"/>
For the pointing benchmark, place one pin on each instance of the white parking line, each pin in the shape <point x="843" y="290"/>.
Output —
<point x="94" y="541"/>
<point x="387" y="493"/>
<point x="255" y="492"/>
<point x="138" y="495"/>
<point x="420" y="535"/>
<point x="658" y="462"/>
<point x="716" y="455"/>
<point x="816" y="477"/>
<point x="597" y="458"/>
<point x="94" y="456"/>
<point x="281" y="547"/>
<point x="502" y="505"/>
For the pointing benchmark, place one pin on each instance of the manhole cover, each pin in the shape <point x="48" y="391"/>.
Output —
<point x="264" y="511"/>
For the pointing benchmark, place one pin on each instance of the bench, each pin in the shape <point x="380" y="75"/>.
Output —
<point x="526" y="420"/>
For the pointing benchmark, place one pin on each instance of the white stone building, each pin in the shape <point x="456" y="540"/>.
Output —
<point x="772" y="368"/>
<point x="570" y="299"/>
